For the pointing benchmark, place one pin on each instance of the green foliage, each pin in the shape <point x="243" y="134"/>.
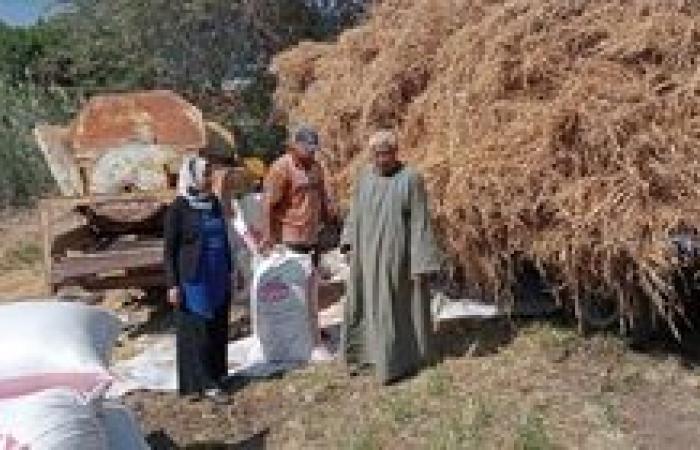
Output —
<point x="190" y="46"/>
<point x="23" y="172"/>
<point x="20" y="48"/>
<point x="23" y="104"/>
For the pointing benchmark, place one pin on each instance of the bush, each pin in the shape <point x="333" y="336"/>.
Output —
<point x="24" y="175"/>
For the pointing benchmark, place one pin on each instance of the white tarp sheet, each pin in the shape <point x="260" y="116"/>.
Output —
<point x="445" y="309"/>
<point x="154" y="367"/>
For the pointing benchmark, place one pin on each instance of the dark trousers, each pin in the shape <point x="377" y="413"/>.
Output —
<point x="201" y="345"/>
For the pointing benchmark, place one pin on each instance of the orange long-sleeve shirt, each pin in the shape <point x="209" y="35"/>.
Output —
<point x="297" y="202"/>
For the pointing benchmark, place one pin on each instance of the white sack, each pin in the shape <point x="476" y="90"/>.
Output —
<point x="55" y="419"/>
<point x="280" y="313"/>
<point x="248" y="220"/>
<point x="122" y="430"/>
<point x="54" y="337"/>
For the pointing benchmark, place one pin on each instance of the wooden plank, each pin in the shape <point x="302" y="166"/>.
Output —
<point x="45" y="219"/>
<point x="77" y="239"/>
<point x="164" y="196"/>
<point x="126" y="245"/>
<point x="121" y="282"/>
<point x="109" y="261"/>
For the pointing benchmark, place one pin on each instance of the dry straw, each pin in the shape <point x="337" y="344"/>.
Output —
<point x="560" y="132"/>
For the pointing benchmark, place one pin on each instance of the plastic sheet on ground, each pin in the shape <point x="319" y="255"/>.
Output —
<point x="153" y="368"/>
<point x="446" y="309"/>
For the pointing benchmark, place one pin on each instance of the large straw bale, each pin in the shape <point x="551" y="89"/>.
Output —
<point x="560" y="132"/>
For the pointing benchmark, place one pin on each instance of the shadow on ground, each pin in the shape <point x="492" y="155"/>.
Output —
<point x="161" y="441"/>
<point x="473" y="337"/>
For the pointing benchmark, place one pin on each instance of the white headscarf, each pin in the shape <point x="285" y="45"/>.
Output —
<point x="383" y="139"/>
<point x="191" y="177"/>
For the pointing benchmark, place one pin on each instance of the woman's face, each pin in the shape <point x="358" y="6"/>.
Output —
<point x="206" y="182"/>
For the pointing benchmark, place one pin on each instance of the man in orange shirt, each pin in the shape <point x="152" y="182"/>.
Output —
<point x="296" y="205"/>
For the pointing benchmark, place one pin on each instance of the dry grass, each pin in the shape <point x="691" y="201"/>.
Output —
<point x="20" y="256"/>
<point x="544" y="387"/>
<point x="563" y="133"/>
<point x="548" y="388"/>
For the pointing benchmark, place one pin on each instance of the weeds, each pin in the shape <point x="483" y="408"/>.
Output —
<point x="23" y="255"/>
<point x="401" y="408"/>
<point x="365" y="439"/>
<point x="465" y="430"/>
<point x="531" y="434"/>
<point x="439" y="382"/>
<point x="610" y="415"/>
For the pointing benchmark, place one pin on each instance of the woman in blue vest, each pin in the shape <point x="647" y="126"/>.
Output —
<point x="198" y="270"/>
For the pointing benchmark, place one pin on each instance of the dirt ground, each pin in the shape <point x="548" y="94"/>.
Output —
<point x="498" y="384"/>
<point x="541" y="387"/>
<point x="20" y="254"/>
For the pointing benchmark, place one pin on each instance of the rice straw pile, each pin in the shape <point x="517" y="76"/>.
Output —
<point x="558" y="132"/>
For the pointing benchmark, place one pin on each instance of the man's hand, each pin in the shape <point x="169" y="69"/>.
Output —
<point x="174" y="298"/>
<point x="346" y="252"/>
<point x="427" y="279"/>
<point x="266" y="246"/>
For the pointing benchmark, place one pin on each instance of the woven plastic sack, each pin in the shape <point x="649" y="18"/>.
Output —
<point x="248" y="221"/>
<point x="122" y="430"/>
<point x="53" y="344"/>
<point x="279" y="306"/>
<point x="55" y="419"/>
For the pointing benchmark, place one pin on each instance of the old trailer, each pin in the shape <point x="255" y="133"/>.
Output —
<point x="116" y="169"/>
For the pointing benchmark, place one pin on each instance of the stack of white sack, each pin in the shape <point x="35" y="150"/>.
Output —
<point x="54" y="372"/>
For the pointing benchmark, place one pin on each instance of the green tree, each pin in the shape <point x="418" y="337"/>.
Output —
<point x="21" y="48"/>
<point x="192" y="46"/>
<point x="23" y="173"/>
<point x="23" y="103"/>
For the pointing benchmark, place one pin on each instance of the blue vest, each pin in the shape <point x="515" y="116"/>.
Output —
<point x="210" y="289"/>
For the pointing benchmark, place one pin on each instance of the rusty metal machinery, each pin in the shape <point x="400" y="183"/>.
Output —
<point x="116" y="168"/>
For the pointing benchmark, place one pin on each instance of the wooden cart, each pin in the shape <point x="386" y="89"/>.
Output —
<point x="115" y="241"/>
<point x="86" y="244"/>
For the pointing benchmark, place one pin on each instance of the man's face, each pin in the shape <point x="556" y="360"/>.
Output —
<point x="385" y="158"/>
<point x="302" y="154"/>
